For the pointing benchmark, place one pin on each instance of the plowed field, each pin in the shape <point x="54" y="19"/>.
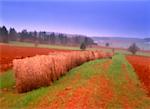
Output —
<point x="8" y="53"/>
<point x="142" y="67"/>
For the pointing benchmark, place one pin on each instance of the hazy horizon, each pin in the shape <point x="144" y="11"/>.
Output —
<point x="97" y="18"/>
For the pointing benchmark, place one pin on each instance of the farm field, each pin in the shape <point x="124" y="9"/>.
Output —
<point x="17" y="50"/>
<point x="142" y="67"/>
<point x="103" y="48"/>
<point x="74" y="54"/>
<point x="29" y="44"/>
<point x="105" y="83"/>
<point x="121" y="50"/>
<point x="8" y="53"/>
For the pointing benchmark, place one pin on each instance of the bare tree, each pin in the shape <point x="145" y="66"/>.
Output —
<point x="133" y="48"/>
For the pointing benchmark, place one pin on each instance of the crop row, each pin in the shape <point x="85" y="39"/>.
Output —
<point x="142" y="67"/>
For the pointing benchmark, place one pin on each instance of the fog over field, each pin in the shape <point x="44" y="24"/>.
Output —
<point x="119" y="42"/>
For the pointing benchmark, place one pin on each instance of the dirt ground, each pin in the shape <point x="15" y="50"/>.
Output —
<point x="83" y="97"/>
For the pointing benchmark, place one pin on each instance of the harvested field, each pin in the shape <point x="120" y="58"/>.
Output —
<point x="142" y="67"/>
<point x="103" y="83"/>
<point x="8" y="53"/>
<point x="37" y="71"/>
<point x="105" y="88"/>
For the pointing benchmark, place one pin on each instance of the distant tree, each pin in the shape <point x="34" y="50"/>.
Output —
<point x="83" y="46"/>
<point x="133" y="48"/>
<point x="42" y="36"/>
<point x="4" y="34"/>
<point x="12" y="34"/>
<point x="77" y="40"/>
<point x="23" y="35"/>
<point x="63" y="39"/>
<point x="107" y="44"/>
<point x="88" y="41"/>
<point x="35" y="35"/>
<point x="60" y="36"/>
<point x="52" y="38"/>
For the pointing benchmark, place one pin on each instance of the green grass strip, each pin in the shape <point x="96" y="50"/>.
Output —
<point x="117" y="75"/>
<point x="7" y="79"/>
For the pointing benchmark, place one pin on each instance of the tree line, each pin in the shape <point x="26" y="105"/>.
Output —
<point x="42" y="37"/>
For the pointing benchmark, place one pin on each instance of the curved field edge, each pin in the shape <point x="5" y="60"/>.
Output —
<point x="125" y="85"/>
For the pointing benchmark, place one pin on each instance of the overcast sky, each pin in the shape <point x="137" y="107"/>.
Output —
<point x="127" y="18"/>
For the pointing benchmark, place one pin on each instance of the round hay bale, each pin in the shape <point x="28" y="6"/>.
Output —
<point x="37" y="71"/>
<point x="32" y="73"/>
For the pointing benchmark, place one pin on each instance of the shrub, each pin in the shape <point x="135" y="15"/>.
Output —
<point x="83" y="46"/>
<point x="107" y="44"/>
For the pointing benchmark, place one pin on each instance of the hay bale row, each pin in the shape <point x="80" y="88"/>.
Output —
<point x="42" y="70"/>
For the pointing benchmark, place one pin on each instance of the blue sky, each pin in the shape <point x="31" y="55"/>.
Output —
<point x="127" y="18"/>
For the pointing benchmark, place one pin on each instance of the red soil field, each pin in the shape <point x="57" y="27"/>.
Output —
<point x="141" y="65"/>
<point x="83" y="97"/>
<point x="8" y="53"/>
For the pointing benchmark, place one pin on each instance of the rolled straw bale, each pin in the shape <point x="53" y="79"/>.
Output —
<point x="85" y="56"/>
<point x="33" y="73"/>
<point x="82" y="58"/>
<point x="93" y="55"/>
<point x="100" y="54"/>
<point x="109" y="54"/>
<point x="66" y="59"/>
<point x="88" y="55"/>
<point x="96" y="54"/>
<point x="54" y="75"/>
<point x="60" y="65"/>
<point x="78" y="58"/>
<point x="38" y="71"/>
<point x="73" y="58"/>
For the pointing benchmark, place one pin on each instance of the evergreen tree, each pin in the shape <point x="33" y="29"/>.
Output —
<point x="83" y="46"/>
<point x="4" y="34"/>
<point x="12" y="34"/>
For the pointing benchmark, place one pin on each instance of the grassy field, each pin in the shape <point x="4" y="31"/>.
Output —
<point x="112" y="81"/>
<point x="27" y="44"/>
